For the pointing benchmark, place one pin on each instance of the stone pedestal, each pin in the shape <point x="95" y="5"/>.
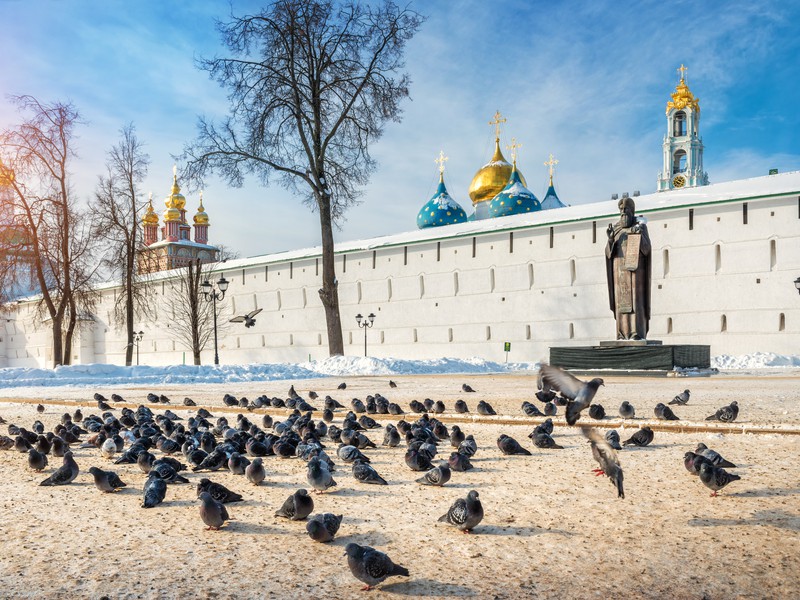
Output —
<point x="629" y="355"/>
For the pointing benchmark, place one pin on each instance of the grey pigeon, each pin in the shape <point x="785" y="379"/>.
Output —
<point x="213" y="513"/>
<point x="437" y="476"/>
<point x="597" y="412"/>
<point x="106" y="481"/>
<point x="469" y="446"/>
<point x="350" y="453"/>
<point x="715" y="478"/>
<point x="461" y="406"/>
<point x="606" y="457"/>
<point x="693" y="461"/>
<point x="550" y="409"/>
<point x="664" y="412"/>
<point x="484" y="408"/>
<point x="109" y="448"/>
<point x="237" y="463"/>
<point x="318" y="475"/>
<point x="465" y="513"/>
<point x="255" y="471"/>
<point x="371" y="566"/>
<point x="509" y="445"/>
<point x="297" y="506"/>
<point x="580" y="393"/>
<point x="218" y="491"/>
<point x="726" y="414"/>
<point x="37" y="461"/>
<point x="714" y="456"/>
<point x="681" y="399"/>
<point x="417" y="461"/>
<point x="323" y="527"/>
<point x="365" y="473"/>
<point x="65" y="474"/>
<point x="544" y="441"/>
<point x="155" y="490"/>
<point x="612" y="437"/>
<point x="459" y="462"/>
<point x="641" y="437"/>
<point x="626" y="410"/>
<point x="530" y="410"/>
<point x="466" y="388"/>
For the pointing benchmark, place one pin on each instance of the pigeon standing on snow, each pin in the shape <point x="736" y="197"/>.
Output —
<point x="606" y="457"/>
<point x="213" y="513"/>
<point x="681" y="399"/>
<point x="465" y="513"/>
<point x="371" y="566"/>
<point x="726" y="414"/>
<point x="579" y="392"/>
<point x="322" y="528"/>
<point x="715" y="478"/>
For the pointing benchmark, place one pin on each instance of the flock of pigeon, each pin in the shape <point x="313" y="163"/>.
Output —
<point x="151" y="441"/>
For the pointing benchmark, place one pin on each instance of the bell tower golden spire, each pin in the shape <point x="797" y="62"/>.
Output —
<point x="440" y="161"/>
<point x="550" y="164"/>
<point x="514" y="146"/>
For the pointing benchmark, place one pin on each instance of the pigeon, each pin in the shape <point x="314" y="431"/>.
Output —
<point x="612" y="437"/>
<point x="545" y="441"/>
<point x="189" y="402"/>
<point x="108" y="449"/>
<point x="218" y="491"/>
<point x="392" y="384"/>
<point x="606" y="457"/>
<point x="465" y="513"/>
<point x="318" y="475"/>
<point x="461" y="406"/>
<point x="248" y="319"/>
<point x="715" y="457"/>
<point x="545" y="396"/>
<point x="459" y="462"/>
<point x="544" y="427"/>
<point x="350" y="453"/>
<point x="437" y="476"/>
<point x="65" y="474"/>
<point x="40" y="408"/>
<point x="145" y="461"/>
<point x="726" y="414"/>
<point x="456" y="436"/>
<point x="255" y="471"/>
<point x="391" y="437"/>
<point x="642" y="437"/>
<point x="37" y="461"/>
<point x="466" y="388"/>
<point x="509" y="445"/>
<point x="715" y="478"/>
<point x="579" y="392"/>
<point x="365" y="473"/>
<point x="597" y="412"/>
<point x="341" y="386"/>
<point x="469" y="446"/>
<point x="417" y="460"/>
<point x="530" y="410"/>
<point x="106" y="481"/>
<point x="297" y="506"/>
<point x="167" y="472"/>
<point x="237" y="463"/>
<point x="155" y="490"/>
<point x="626" y="410"/>
<point x="550" y="409"/>
<point x="693" y="461"/>
<point x="323" y="527"/>
<point x="371" y="566"/>
<point x="681" y="399"/>
<point x="664" y="412"/>
<point x="213" y="512"/>
<point x="484" y="408"/>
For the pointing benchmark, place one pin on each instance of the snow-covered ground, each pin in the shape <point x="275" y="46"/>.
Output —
<point x="340" y="366"/>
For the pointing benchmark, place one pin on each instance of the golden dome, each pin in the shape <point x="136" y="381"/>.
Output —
<point x="492" y="177"/>
<point x="150" y="217"/>
<point x="682" y="97"/>
<point x="175" y="199"/>
<point x="201" y="218"/>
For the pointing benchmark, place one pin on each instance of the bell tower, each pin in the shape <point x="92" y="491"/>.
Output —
<point x="683" y="147"/>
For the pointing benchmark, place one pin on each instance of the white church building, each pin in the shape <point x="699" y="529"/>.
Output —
<point x="724" y="260"/>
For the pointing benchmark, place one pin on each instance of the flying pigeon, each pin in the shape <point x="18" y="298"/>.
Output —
<point x="726" y="414"/>
<point x="681" y="399"/>
<point x="465" y="513"/>
<point x="213" y="512"/>
<point x="579" y="392"/>
<point x="297" y="506"/>
<point x="323" y="527"/>
<point x="606" y="457"/>
<point x="371" y="566"/>
<point x="715" y="478"/>
<point x="248" y="319"/>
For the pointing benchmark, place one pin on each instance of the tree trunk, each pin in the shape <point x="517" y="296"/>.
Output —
<point x="58" y="341"/>
<point x="197" y="358"/>
<point x="129" y="311"/>
<point x="329" y="294"/>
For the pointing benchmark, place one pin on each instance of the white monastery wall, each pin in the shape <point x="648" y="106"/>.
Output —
<point x="721" y="275"/>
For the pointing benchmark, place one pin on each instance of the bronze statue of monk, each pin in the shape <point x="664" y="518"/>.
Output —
<point x="628" y="273"/>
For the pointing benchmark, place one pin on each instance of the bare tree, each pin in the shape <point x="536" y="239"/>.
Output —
<point x="54" y="242"/>
<point x="311" y="85"/>
<point x="117" y="222"/>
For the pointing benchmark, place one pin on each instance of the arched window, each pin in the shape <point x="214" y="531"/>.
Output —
<point x="679" y="124"/>
<point x="679" y="162"/>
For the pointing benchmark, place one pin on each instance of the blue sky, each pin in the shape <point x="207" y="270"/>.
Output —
<point x="587" y="81"/>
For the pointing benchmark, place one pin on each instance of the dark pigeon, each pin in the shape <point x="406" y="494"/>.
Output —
<point x="297" y="506"/>
<point x="550" y="409"/>
<point x="36" y="460"/>
<point x="466" y="388"/>
<point x="437" y="476"/>
<point x="545" y="441"/>
<point x="612" y="437"/>
<point x="597" y="412"/>
<point x="65" y="474"/>
<point x="465" y="513"/>
<point x="580" y="393"/>
<point x="371" y="566"/>
<point x="213" y="512"/>
<point x="715" y="457"/>
<point x="726" y="414"/>
<point x="155" y="490"/>
<point x="641" y="437"/>
<point x="255" y="471"/>
<point x="106" y="481"/>
<point x="664" y="412"/>
<point x="323" y="527"/>
<point x="484" y="408"/>
<point x="715" y="478"/>
<point x="693" y="461"/>
<point x="218" y="491"/>
<point x="530" y="410"/>
<point x="509" y="445"/>
<point x="459" y="462"/>
<point x="681" y="399"/>
<point x="365" y="473"/>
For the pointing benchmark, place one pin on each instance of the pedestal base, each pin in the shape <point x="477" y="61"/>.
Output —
<point x="629" y="355"/>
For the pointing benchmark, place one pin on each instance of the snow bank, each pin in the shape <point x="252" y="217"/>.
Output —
<point x="759" y="360"/>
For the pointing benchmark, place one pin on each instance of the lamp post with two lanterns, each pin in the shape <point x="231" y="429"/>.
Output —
<point x="365" y="324"/>
<point x="213" y="295"/>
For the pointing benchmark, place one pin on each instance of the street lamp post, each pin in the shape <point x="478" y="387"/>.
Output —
<point x="212" y="295"/>
<point x="137" y="337"/>
<point x="366" y="324"/>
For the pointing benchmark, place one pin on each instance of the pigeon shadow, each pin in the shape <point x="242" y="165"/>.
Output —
<point x="253" y="528"/>
<point x="373" y="537"/>
<point x="356" y="492"/>
<point x="778" y="518"/>
<point x="427" y="587"/>
<point x="765" y="493"/>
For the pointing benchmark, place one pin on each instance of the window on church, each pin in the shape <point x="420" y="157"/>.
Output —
<point x="594" y="232"/>
<point x="669" y="324"/>
<point x="782" y="322"/>
<point x="572" y="271"/>
<point x="405" y="255"/>
<point x="510" y="242"/>
<point x="665" y="260"/>
<point x="438" y="251"/>
<point x="717" y="258"/>
<point x="744" y="213"/>
<point x="474" y="247"/>
<point x="773" y="255"/>
<point x="679" y="162"/>
<point x="571" y="331"/>
<point x="552" y="234"/>
<point x="679" y="124"/>
<point x="374" y="258"/>
<point x="723" y="326"/>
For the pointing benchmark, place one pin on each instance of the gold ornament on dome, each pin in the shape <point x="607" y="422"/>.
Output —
<point x="492" y="177"/>
<point x="201" y="218"/>
<point x="682" y="97"/>
<point x="550" y="164"/>
<point x="150" y="217"/>
<point x="6" y="175"/>
<point x="175" y="201"/>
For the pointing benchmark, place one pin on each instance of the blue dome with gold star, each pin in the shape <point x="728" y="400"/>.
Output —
<point x="514" y="199"/>
<point x="441" y="209"/>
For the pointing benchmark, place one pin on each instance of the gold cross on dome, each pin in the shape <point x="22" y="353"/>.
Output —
<point x="550" y="164"/>
<point x="513" y="146"/>
<point x="441" y="160"/>
<point x="682" y="71"/>
<point x="498" y="118"/>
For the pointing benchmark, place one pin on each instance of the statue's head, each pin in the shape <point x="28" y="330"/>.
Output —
<point x="627" y="210"/>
